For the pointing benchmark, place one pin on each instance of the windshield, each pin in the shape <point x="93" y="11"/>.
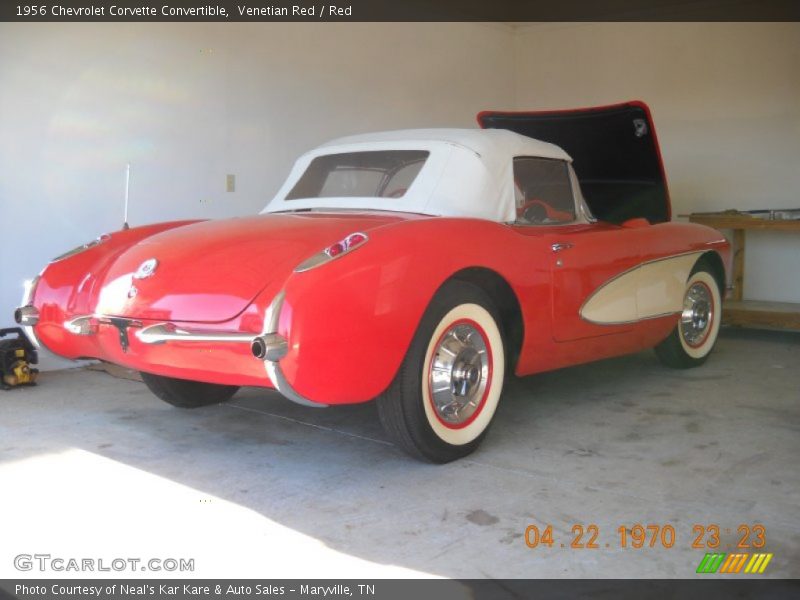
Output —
<point x="372" y="174"/>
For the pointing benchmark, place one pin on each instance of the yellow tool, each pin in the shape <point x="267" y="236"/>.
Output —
<point x="16" y="357"/>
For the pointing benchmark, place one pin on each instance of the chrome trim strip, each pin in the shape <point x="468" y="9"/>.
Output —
<point x="27" y="296"/>
<point x="273" y="314"/>
<point x="277" y="378"/>
<point x="273" y="368"/>
<point x="322" y="257"/>
<point x="633" y="321"/>
<point x="165" y="332"/>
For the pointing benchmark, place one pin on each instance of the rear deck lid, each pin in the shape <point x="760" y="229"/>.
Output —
<point x="210" y="271"/>
<point x="615" y="154"/>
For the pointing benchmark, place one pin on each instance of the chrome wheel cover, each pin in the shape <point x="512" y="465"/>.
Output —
<point x="698" y="314"/>
<point x="460" y="374"/>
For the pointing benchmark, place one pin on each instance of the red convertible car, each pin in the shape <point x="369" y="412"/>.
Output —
<point x="415" y="267"/>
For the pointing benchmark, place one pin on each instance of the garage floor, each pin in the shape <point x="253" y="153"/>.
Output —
<point x="94" y="466"/>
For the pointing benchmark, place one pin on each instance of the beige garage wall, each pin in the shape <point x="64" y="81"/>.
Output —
<point x="188" y="104"/>
<point x="726" y="102"/>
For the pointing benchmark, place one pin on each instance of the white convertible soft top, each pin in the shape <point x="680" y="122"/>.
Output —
<point x="468" y="173"/>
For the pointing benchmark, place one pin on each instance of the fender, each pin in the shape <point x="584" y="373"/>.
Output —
<point x="346" y="346"/>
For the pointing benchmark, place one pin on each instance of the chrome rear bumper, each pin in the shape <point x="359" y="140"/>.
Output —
<point x="167" y="332"/>
<point x="269" y="346"/>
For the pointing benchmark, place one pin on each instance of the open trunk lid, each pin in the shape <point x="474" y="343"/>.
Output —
<point x="615" y="155"/>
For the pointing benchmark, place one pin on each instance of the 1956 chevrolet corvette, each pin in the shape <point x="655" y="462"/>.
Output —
<point x="413" y="267"/>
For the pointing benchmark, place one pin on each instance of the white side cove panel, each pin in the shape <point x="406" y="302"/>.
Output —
<point x="653" y="289"/>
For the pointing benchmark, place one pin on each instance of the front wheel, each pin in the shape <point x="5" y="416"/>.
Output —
<point x="184" y="393"/>
<point x="694" y="336"/>
<point x="444" y="396"/>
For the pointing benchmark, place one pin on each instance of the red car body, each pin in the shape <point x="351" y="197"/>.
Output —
<point x="348" y="324"/>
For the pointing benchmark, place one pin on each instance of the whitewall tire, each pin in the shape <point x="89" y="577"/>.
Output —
<point x="446" y="392"/>
<point x="445" y="376"/>
<point x="695" y="335"/>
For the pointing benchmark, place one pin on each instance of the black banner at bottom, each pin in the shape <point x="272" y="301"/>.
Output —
<point x="394" y="589"/>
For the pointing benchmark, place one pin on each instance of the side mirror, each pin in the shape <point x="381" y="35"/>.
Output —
<point x="636" y="223"/>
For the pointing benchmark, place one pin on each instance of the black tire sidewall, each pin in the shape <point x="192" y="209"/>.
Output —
<point x="185" y="393"/>
<point x="431" y="446"/>
<point x="671" y="351"/>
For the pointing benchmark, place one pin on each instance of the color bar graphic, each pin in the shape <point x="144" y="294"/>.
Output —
<point x="733" y="563"/>
<point x="758" y="563"/>
<point x="710" y="563"/>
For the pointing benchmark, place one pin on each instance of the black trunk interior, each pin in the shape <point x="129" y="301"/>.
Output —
<point x="615" y="156"/>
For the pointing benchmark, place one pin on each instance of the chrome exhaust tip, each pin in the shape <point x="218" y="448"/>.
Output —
<point x="259" y="348"/>
<point x="270" y="346"/>
<point x="27" y="315"/>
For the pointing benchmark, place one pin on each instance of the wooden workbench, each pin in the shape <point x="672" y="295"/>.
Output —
<point x="737" y="310"/>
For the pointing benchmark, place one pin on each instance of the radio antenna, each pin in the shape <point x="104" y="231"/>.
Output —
<point x="127" y="188"/>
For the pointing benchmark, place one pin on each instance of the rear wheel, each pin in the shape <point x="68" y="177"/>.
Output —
<point x="694" y="336"/>
<point x="184" y="393"/>
<point x="444" y="396"/>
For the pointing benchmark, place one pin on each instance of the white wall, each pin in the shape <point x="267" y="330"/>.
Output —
<point x="187" y="104"/>
<point x="726" y="103"/>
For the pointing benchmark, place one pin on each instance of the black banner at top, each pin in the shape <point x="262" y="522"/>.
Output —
<point x="398" y="10"/>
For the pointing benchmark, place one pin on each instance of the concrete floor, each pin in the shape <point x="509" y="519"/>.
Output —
<point x="93" y="466"/>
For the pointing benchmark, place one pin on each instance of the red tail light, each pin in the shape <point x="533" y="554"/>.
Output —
<point x="335" y="250"/>
<point x="345" y="245"/>
<point x="354" y="239"/>
<point x="351" y="242"/>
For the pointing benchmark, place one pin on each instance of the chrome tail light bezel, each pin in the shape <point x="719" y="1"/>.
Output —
<point x="351" y="242"/>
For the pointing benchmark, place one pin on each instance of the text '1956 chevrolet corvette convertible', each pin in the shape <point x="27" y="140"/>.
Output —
<point x="416" y="268"/>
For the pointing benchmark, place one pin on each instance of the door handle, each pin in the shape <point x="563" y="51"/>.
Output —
<point x="559" y="246"/>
